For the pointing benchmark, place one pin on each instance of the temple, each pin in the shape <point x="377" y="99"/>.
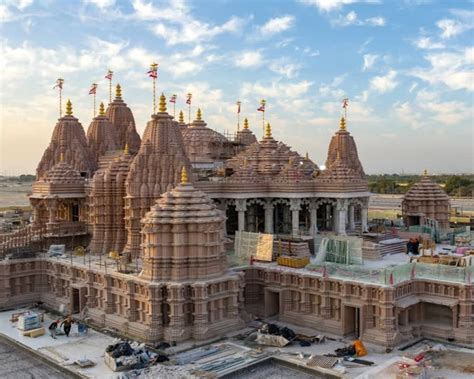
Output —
<point x="148" y="224"/>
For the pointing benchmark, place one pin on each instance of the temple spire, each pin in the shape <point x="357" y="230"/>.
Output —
<point x="268" y="131"/>
<point x="181" y="117"/>
<point x="101" y="109"/>
<point x="184" y="175"/>
<point x="199" y="115"/>
<point x="246" y="123"/>
<point x="425" y="172"/>
<point x="118" y="91"/>
<point x="162" y="103"/>
<point x="68" y="108"/>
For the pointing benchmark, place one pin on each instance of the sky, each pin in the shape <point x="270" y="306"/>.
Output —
<point x="406" y="67"/>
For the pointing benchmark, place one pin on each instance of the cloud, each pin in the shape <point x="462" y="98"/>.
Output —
<point x="331" y="5"/>
<point x="369" y="61"/>
<point x="352" y="18"/>
<point x="276" y="25"/>
<point x="285" y="67"/>
<point x="384" y="84"/>
<point x="249" y="59"/>
<point x="452" y="27"/>
<point x="427" y="44"/>
<point x="453" y="69"/>
<point x="276" y="89"/>
<point x="101" y="4"/>
<point x="333" y="89"/>
<point x="176" y="25"/>
<point x="10" y="10"/>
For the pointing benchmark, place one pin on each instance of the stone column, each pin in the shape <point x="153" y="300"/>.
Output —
<point x="241" y="207"/>
<point x="328" y="213"/>
<point x="365" y="216"/>
<point x="268" y="216"/>
<point x="295" y="205"/>
<point x="313" y="218"/>
<point x="341" y="216"/>
<point x="351" y="217"/>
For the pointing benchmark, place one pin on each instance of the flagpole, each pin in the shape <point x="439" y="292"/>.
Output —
<point x="153" y="73"/>
<point x="263" y="103"/>
<point x="174" y="110"/>
<point x="189" y="106"/>
<point x="110" y="91"/>
<point x="94" y="103"/>
<point x="238" y="115"/>
<point x="60" y="102"/>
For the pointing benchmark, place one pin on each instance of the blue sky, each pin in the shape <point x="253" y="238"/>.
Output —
<point x="406" y="66"/>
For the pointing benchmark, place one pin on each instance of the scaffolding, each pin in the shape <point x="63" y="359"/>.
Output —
<point x="340" y="249"/>
<point x="257" y="245"/>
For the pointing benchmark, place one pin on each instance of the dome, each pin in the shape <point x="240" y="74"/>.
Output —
<point x="343" y="145"/>
<point x="101" y="135"/>
<point x="426" y="190"/>
<point x="63" y="173"/>
<point x="204" y="145"/>
<point x="122" y="118"/>
<point x="183" y="236"/>
<point x="70" y="142"/>
<point x="270" y="160"/>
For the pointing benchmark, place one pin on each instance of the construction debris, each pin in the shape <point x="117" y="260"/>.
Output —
<point x="124" y="356"/>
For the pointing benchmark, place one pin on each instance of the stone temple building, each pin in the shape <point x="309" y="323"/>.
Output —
<point x="164" y="206"/>
<point x="426" y="201"/>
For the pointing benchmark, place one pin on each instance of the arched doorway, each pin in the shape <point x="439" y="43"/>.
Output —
<point x="232" y="222"/>
<point x="325" y="215"/>
<point x="282" y="217"/>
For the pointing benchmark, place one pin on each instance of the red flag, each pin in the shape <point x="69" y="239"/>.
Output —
<point x="173" y="99"/>
<point x="345" y="103"/>
<point x="59" y="84"/>
<point x="109" y="75"/>
<point x="261" y="108"/>
<point x="188" y="100"/>
<point x="93" y="89"/>
<point x="153" y="73"/>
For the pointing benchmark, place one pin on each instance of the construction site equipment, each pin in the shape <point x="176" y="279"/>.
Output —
<point x="340" y="249"/>
<point x="33" y="332"/>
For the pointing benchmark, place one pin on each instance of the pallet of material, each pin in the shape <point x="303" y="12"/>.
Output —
<point x="33" y="332"/>
<point x="295" y="262"/>
<point x="294" y="249"/>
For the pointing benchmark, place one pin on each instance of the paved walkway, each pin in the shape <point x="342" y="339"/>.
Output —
<point x="16" y="363"/>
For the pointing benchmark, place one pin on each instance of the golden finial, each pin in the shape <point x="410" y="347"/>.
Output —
<point x="101" y="109"/>
<point x="125" y="150"/>
<point x="338" y="155"/>
<point x="425" y="172"/>
<point x="181" y="117"/>
<point x="246" y="123"/>
<point x="199" y="115"/>
<point x="342" y="124"/>
<point x="184" y="175"/>
<point x="68" y="108"/>
<point x="61" y="157"/>
<point x="162" y="103"/>
<point x="118" y="91"/>
<point x="268" y="131"/>
<point x="306" y="156"/>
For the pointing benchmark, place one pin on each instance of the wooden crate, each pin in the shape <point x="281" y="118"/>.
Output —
<point x="34" y="332"/>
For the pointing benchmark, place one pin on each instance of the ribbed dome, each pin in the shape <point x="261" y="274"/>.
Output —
<point x="339" y="171"/>
<point x="342" y="145"/>
<point x="69" y="140"/>
<point x="63" y="173"/>
<point x="184" y="204"/>
<point x="101" y="136"/>
<point x="426" y="190"/>
<point x="122" y="118"/>
<point x="270" y="160"/>
<point x="202" y="144"/>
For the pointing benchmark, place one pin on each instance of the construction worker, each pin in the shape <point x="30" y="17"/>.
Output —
<point x="52" y="328"/>
<point x="67" y="325"/>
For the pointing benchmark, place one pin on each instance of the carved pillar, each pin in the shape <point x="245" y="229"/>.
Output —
<point x="313" y="218"/>
<point x="351" y="217"/>
<point x="295" y="205"/>
<point x="268" y="216"/>
<point x="328" y="218"/>
<point x="365" y="215"/>
<point x="241" y="208"/>
<point x="341" y="216"/>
